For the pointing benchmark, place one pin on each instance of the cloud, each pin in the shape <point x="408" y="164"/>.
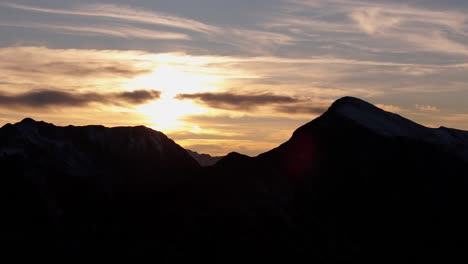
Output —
<point x="50" y="98"/>
<point x="303" y="25"/>
<point x="301" y="109"/>
<point x="434" y="41"/>
<point x="252" y="41"/>
<point x="28" y="68"/>
<point x="391" y="108"/>
<point x="244" y="102"/>
<point x="232" y="101"/>
<point x="314" y="76"/>
<point x="374" y="20"/>
<point x="391" y="27"/>
<point x="119" y="31"/>
<point x="122" y="12"/>
<point x="417" y="29"/>
<point x="369" y="12"/>
<point x="137" y="97"/>
<point x="390" y="15"/>
<point x="69" y="62"/>
<point x="420" y="71"/>
<point x="427" y="108"/>
<point x="77" y="69"/>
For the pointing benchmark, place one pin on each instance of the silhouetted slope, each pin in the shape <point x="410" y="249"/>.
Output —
<point x="356" y="184"/>
<point x="368" y="183"/>
<point x="77" y="190"/>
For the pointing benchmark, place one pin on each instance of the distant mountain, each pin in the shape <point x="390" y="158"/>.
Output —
<point x="204" y="160"/>
<point x="357" y="184"/>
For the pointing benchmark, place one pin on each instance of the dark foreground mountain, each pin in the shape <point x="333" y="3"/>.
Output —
<point x="356" y="184"/>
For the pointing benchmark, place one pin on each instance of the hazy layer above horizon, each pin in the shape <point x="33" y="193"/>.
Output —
<point x="221" y="76"/>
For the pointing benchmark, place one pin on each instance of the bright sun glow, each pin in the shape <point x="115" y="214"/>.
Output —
<point x="165" y="113"/>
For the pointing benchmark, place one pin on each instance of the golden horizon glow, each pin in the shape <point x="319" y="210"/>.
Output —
<point x="87" y="76"/>
<point x="165" y="114"/>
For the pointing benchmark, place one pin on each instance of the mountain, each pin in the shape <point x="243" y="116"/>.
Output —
<point x="357" y="184"/>
<point x="91" y="150"/>
<point x="64" y="189"/>
<point x="204" y="160"/>
<point x="362" y="184"/>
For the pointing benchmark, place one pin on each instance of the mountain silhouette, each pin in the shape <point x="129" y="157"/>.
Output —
<point x="204" y="159"/>
<point x="356" y="184"/>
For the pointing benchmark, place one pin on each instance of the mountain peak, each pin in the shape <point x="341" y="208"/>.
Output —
<point x="28" y="120"/>
<point x="349" y="100"/>
<point x="373" y="118"/>
<point x="348" y="104"/>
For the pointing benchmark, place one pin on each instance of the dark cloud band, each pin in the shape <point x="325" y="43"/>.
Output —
<point x="301" y="109"/>
<point x="49" y="98"/>
<point x="234" y="101"/>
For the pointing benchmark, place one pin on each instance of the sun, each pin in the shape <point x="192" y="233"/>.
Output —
<point x="165" y="114"/>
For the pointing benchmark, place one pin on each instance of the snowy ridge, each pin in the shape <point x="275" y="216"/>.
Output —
<point x="382" y="122"/>
<point x="79" y="148"/>
<point x="394" y="126"/>
<point x="45" y="134"/>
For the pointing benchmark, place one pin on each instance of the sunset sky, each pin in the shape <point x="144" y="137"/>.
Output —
<point x="220" y="76"/>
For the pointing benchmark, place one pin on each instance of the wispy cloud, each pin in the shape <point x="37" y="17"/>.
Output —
<point x="121" y="12"/>
<point x="420" y="27"/>
<point x="390" y="27"/>
<point x="435" y="41"/>
<point x="77" y="69"/>
<point x="252" y="41"/>
<point x="120" y="31"/>
<point x="322" y="24"/>
<point x="374" y="20"/>
<point x="427" y="108"/>
<point x="38" y="67"/>
<point x="391" y="108"/>
<point x="54" y="98"/>
<point x="303" y="25"/>
<point x="235" y="38"/>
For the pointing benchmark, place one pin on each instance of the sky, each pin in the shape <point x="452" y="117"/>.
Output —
<point x="220" y="76"/>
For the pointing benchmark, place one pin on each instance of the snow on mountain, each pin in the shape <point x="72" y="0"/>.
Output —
<point x="395" y="126"/>
<point x="82" y="149"/>
<point x="376" y="119"/>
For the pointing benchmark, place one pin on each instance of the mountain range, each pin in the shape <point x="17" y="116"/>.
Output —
<point x="357" y="184"/>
